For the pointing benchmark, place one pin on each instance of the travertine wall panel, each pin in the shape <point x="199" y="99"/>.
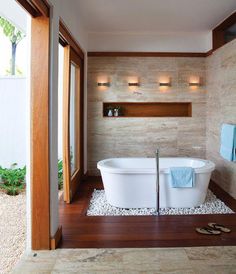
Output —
<point x="139" y="137"/>
<point x="221" y="108"/>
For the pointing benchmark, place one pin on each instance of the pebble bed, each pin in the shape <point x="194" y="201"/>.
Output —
<point x="99" y="207"/>
<point x="12" y="230"/>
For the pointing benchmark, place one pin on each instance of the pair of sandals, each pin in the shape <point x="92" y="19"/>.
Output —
<point x="213" y="229"/>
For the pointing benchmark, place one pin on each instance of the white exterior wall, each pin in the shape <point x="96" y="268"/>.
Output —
<point x="14" y="102"/>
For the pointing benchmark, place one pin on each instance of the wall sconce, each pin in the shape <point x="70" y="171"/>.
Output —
<point x="194" y="81"/>
<point x="103" y="84"/>
<point x="164" y="84"/>
<point x="194" y="84"/>
<point x="134" y="84"/>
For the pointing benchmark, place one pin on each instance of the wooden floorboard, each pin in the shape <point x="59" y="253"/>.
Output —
<point x="81" y="231"/>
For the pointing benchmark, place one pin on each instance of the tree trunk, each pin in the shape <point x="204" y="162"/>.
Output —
<point x="13" y="58"/>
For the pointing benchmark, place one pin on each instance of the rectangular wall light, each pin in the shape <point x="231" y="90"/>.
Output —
<point x="194" y="84"/>
<point x="103" y="84"/>
<point x="133" y="84"/>
<point x="164" y="81"/>
<point x="164" y="84"/>
<point x="194" y="81"/>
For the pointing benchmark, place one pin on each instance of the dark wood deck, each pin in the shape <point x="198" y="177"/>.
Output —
<point x="81" y="231"/>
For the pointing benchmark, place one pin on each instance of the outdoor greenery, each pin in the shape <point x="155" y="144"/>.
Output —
<point x="60" y="174"/>
<point x="15" y="36"/>
<point x="12" y="179"/>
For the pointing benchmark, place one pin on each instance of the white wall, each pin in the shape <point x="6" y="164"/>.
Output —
<point x="13" y="121"/>
<point x="159" y="42"/>
<point x="67" y="11"/>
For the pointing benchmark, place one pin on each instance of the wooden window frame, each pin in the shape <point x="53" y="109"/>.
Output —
<point x="218" y="32"/>
<point x="66" y="38"/>
<point x="40" y="115"/>
<point x="71" y="51"/>
<point x="66" y="123"/>
<point x="36" y="8"/>
<point x="77" y="176"/>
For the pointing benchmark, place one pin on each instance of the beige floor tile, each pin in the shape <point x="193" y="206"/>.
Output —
<point x="214" y="269"/>
<point x="123" y="261"/>
<point x="212" y="255"/>
<point x="217" y="260"/>
<point x="200" y="260"/>
<point x="41" y="262"/>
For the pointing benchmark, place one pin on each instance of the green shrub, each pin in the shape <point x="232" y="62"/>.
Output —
<point x="12" y="179"/>
<point x="60" y="174"/>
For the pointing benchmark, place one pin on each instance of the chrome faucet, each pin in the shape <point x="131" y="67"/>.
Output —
<point x="157" y="184"/>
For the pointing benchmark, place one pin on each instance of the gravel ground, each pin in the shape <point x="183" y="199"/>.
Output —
<point x="12" y="230"/>
<point x="100" y="207"/>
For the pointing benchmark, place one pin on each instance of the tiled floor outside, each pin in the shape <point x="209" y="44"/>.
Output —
<point x="202" y="260"/>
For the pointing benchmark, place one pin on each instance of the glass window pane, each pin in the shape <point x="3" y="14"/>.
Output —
<point x="72" y="118"/>
<point x="60" y="115"/>
<point x="230" y="33"/>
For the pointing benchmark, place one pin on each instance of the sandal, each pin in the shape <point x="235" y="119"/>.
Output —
<point x="207" y="231"/>
<point x="219" y="227"/>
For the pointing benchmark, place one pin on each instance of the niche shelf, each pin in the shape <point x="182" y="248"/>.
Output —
<point x="150" y="109"/>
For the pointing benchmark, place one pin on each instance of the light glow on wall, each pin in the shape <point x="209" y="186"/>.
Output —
<point x="133" y="83"/>
<point x="164" y="82"/>
<point x="194" y="82"/>
<point x="103" y="82"/>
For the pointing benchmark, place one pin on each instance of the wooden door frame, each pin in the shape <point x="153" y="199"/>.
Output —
<point x="71" y="50"/>
<point x="78" y="175"/>
<point x="36" y="8"/>
<point x="40" y="115"/>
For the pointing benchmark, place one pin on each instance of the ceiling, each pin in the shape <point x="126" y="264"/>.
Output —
<point x="153" y="15"/>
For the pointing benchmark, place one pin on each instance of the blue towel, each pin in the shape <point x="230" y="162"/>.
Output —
<point x="228" y="142"/>
<point x="182" y="176"/>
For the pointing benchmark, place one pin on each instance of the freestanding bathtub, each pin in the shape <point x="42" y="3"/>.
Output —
<point x="131" y="182"/>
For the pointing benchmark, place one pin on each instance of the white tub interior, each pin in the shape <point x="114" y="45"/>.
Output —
<point x="149" y="164"/>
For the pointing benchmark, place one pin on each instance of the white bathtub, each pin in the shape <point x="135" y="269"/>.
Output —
<point x="131" y="182"/>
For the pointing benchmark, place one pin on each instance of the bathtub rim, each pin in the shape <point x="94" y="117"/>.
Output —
<point x="101" y="165"/>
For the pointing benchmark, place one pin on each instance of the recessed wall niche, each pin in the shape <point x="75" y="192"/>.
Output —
<point x="149" y="109"/>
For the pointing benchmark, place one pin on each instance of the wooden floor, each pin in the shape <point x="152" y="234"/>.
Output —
<point x="81" y="231"/>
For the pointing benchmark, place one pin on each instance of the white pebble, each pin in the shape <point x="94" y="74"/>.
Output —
<point x="100" y="207"/>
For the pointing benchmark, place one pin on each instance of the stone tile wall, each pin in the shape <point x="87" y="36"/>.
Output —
<point x="139" y="137"/>
<point x="221" y="108"/>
